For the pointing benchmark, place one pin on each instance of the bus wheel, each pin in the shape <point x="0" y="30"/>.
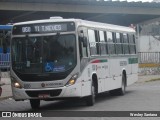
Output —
<point x="35" y="103"/>
<point x="122" y="90"/>
<point x="90" y="100"/>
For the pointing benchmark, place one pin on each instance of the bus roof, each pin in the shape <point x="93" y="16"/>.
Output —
<point x="5" y="27"/>
<point x="81" y="22"/>
<point x="106" y="26"/>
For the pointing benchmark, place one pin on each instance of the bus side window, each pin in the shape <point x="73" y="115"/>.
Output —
<point x="97" y="41"/>
<point x="92" y="42"/>
<point x="118" y="43"/>
<point x="102" y="43"/>
<point x="5" y="36"/>
<point x="125" y="44"/>
<point x="111" y="44"/>
<point x="82" y="44"/>
<point x="132" y="45"/>
<point x="83" y="48"/>
<point x="3" y="42"/>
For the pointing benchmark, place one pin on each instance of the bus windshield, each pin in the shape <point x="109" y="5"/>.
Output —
<point x="44" y="54"/>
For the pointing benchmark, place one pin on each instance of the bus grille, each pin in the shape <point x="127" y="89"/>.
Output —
<point x="39" y="92"/>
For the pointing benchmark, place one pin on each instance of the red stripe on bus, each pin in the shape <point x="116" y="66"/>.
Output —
<point x="96" y="61"/>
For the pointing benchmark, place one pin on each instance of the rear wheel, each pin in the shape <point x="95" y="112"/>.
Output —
<point x="122" y="90"/>
<point x="90" y="100"/>
<point x="35" y="103"/>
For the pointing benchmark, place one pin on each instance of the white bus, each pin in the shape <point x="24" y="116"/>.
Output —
<point x="61" y="58"/>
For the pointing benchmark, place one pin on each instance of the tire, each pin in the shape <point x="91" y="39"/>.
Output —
<point x="120" y="91"/>
<point x="90" y="100"/>
<point x="35" y="103"/>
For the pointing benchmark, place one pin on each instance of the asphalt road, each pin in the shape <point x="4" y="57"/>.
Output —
<point x="139" y="97"/>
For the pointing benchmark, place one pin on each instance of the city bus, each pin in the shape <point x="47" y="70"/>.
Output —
<point x="5" y="35"/>
<point x="57" y="59"/>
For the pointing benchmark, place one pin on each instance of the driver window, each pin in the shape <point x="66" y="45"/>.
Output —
<point x="82" y="49"/>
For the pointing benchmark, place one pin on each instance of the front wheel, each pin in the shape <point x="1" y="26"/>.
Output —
<point x="35" y="103"/>
<point x="90" y="100"/>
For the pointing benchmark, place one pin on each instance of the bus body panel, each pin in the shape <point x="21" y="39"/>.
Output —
<point x="86" y="79"/>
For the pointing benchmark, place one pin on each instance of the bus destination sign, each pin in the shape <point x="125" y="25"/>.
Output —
<point x="43" y="28"/>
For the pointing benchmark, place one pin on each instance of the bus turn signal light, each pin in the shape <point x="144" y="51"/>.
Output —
<point x="72" y="80"/>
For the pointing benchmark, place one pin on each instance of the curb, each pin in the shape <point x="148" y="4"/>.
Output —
<point x="152" y="80"/>
<point x="149" y="80"/>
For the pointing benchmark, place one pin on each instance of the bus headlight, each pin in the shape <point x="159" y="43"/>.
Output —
<point x="15" y="83"/>
<point x="72" y="80"/>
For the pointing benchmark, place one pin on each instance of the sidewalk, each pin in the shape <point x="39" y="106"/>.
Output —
<point x="5" y="84"/>
<point x="144" y="78"/>
<point x="6" y="88"/>
<point x="7" y="92"/>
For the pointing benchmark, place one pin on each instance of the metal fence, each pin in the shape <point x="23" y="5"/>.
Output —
<point x="149" y="57"/>
<point x="149" y="62"/>
<point x="4" y="61"/>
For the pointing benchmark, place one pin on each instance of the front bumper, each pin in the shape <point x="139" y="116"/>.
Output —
<point x="47" y="93"/>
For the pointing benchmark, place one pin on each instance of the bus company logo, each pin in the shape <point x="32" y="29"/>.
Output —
<point x="27" y="86"/>
<point x="54" y="84"/>
<point x="6" y="114"/>
<point x="43" y="85"/>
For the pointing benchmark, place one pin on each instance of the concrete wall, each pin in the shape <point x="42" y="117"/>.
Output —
<point x="149" y="38"/>
<point x="149" y="44"/>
